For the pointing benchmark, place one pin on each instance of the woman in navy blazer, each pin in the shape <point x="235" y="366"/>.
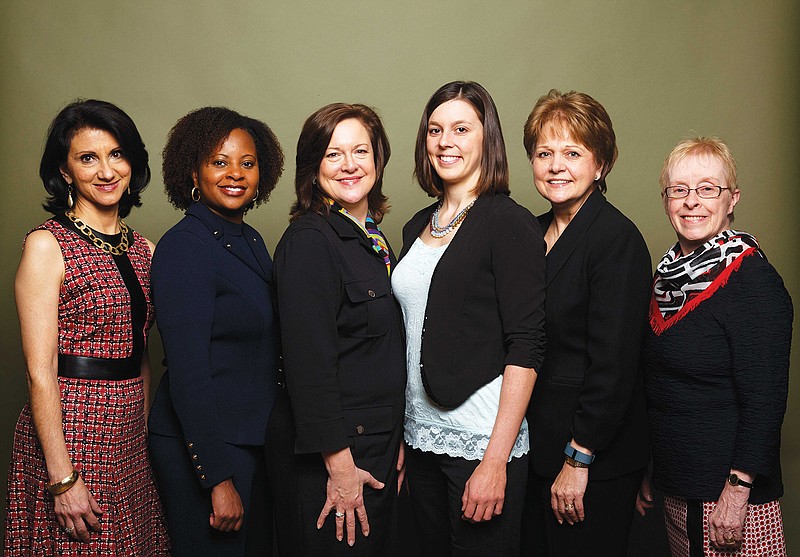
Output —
<point x="334" y="437"/>
<point x="212" y="278"/>
<point x="471" y="285"/>
<point x="587" y="415"/>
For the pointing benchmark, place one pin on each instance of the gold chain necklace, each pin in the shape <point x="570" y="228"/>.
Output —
<point x="119" y="249"/>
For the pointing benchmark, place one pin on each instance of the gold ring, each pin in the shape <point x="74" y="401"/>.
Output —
<point x="730" y="540"/>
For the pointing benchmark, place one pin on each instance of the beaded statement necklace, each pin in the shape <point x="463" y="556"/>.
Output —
<point x="439" y="231"/>
<point x="119" y="249"/>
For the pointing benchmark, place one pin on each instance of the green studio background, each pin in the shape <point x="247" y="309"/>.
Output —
<point x="662" y="70"/>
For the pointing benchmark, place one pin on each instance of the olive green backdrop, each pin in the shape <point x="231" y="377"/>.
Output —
<point x="662" y="70"/>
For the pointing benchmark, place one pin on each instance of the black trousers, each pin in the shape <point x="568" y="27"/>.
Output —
<point x="608" y="509"/>
<point x="187" y="505"/>
<point x="436" y="484"/>
<point x="298" y="485"/>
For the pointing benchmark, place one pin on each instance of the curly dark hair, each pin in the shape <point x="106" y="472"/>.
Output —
<point x="195" y="138"/>
<point x="494" y="163"/>
<point x="312" y="144"/>
<point x="83" y="114"/>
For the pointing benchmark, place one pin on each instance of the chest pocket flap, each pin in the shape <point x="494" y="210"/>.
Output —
<point x="372" y="307"/>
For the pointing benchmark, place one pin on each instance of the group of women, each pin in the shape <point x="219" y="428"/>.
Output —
<point x="303" y="396"/>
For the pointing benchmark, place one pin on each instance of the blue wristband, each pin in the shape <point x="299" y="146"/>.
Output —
<point x="575" y="454"/>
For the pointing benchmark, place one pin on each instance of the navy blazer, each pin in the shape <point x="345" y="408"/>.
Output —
<point x="342" y="341"/>
<point x="215" y="315"/>
<point x="591" y="384"/>
<point x="485" y="307"/>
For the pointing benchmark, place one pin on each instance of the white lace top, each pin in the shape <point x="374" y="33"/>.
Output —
<point x="461" y="432"/>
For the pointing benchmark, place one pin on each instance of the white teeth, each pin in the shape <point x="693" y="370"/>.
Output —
<point x="446" y="158"/>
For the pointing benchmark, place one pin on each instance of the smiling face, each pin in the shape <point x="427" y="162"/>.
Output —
<point x="228" y="181"/>
<point x="455" y="143"/>
<point x="347" y="171"/>
<point x="97" y="170"/>
<point x="564" y="170"/>
<point x="697" y="220"/>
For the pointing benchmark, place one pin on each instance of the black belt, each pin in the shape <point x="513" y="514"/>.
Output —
<point x="109" y="369"/>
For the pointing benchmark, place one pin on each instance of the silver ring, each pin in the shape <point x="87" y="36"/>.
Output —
<point x="339" y="515"/>
<point x="69" y="530"/>
<point x="569" y="507"/>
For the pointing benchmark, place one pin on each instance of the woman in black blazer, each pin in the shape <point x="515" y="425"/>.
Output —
<point x="471" y="285"/>
<point x="211" y="280"/>
<point x="587" y="416"/>
<point x="334" y="437"/>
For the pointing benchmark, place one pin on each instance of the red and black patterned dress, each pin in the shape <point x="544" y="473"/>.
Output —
<point x="101" y="318"/>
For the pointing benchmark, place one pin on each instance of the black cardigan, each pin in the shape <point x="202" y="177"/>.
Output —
<point x="717" y="382"/>
<point x="485" y="305"/>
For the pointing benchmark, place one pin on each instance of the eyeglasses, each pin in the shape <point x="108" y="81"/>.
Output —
<point x="704" y="192"/>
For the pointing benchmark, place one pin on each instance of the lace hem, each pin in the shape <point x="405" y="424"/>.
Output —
<point x="437" y="439"/>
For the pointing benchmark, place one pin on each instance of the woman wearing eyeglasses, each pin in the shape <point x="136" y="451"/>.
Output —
<point x="715" y="416"/>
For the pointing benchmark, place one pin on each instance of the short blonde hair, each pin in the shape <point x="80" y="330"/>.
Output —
<point x="699" y="146"/>
<point x="708" y="146"/>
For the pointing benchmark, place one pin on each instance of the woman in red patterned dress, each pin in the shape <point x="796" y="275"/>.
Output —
<point x="79" y="481"/>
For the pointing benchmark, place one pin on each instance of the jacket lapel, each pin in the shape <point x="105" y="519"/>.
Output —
<point x="204" y="215"/>
<point x="347" y="229"/>
<point x="573" y="236"/>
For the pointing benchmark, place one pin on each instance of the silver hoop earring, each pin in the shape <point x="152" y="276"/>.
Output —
<point x="70" y="201"/>
<point x="255" y="196"/>
<point x="596" y="178"/>
<point x="195" y="194"/>
<point x="314" y="181"/>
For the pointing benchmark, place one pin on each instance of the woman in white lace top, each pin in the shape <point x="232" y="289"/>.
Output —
<point x="471" y="287"/>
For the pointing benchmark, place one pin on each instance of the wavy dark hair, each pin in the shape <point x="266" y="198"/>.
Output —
<point x="312" y="144"/>
<point x="583" y="117"/>
<point x="195" y="138"/>
<point x="83" y="114"/>
<point x="494" y="163"/>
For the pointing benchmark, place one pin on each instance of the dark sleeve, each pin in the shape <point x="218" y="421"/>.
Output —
<point x="184" y="290"/>
<point x="757" y="318"/>
<point x="618" y="273"/>
<point x="518" y="265"/>
<point x="309" y="295"/>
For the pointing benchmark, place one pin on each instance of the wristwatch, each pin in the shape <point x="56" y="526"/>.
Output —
<point x="735" y="480"/>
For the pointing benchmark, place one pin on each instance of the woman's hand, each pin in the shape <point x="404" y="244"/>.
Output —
<point x="484" y="492"/>
<point x="401" y="466"/>
<point x="227" y="511"/>
<point x="77" y="511"/>
<point x="566" y="494"/>
<point x="345" y="494"/>
<point x="726" y="522"/>
<point x="644" y="498"/>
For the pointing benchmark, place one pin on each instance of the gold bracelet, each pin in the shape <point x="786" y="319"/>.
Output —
<point x="64" y="485"/>
<point x="574" y="463"/>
